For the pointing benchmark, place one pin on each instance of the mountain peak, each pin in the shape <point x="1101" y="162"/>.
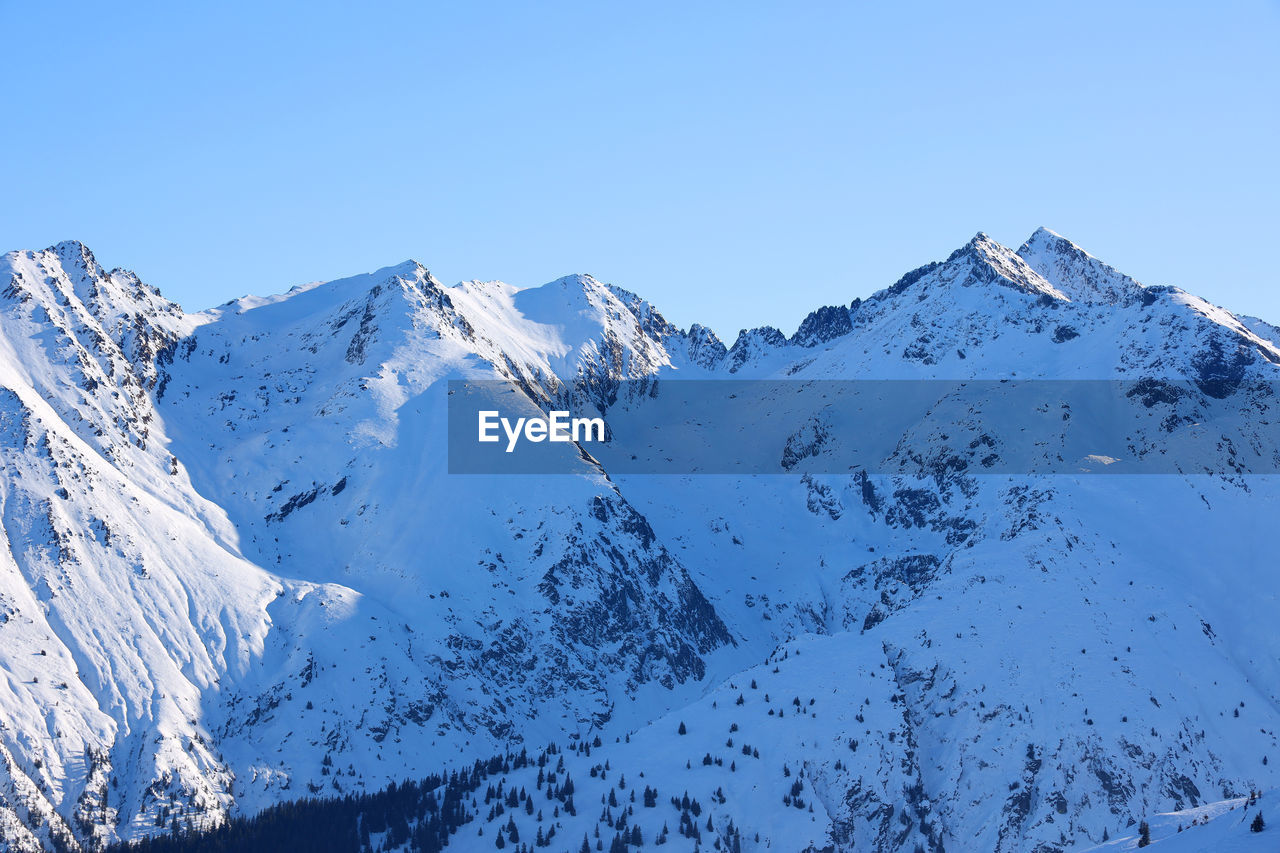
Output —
<point x="824" y="324"/>
<point x="982" y="245"/>
<point x="577" y="279"/>
<point x="1047" y="239"/>
<point x="69" y="247"/>
<point x="405" y="269"/>
<point x="76" y="254"/>
<point x="1075" y="272"/>
<point x="989" y="262"/>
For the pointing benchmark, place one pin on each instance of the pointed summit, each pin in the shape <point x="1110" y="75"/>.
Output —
<point x="705" y="348"/>
<point x="76" y="258"/>
<point x="984" y="261"/>
<point x="1043" y="233"/>
<point x="1075" y="272"/>
<point x="981" y="261"/>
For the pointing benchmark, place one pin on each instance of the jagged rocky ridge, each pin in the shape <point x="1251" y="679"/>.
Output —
<point x="237" y="573"/>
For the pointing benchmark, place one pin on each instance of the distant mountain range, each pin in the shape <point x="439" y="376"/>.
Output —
<point x="236" y="572"/>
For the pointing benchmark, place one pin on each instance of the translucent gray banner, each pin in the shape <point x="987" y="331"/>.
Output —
<point x="909" y="427"/>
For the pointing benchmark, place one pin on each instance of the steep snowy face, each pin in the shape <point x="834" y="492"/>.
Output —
<point x="69" y="323"/>
<point x="236" y="569"/>
<point x="753" y="348"/>
<point x="1037" y="635"/>
<point x="1076" y="273"/>
<point x="525" y="608"/>
<point x="120" y="606"/>
<point x="704" y="348"/>
<point x="185" y="670"/>
<point x="984" y="261"/>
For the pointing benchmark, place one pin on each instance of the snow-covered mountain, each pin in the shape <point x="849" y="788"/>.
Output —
<point x="236" y="570"/>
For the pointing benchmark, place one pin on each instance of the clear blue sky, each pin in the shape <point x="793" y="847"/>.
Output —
<point x="736" y="163"/>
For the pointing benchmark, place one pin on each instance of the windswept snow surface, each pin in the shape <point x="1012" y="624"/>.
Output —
<point x="236" y="571"/>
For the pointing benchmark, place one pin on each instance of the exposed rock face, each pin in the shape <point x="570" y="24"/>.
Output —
<point x="825" y="324"/>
